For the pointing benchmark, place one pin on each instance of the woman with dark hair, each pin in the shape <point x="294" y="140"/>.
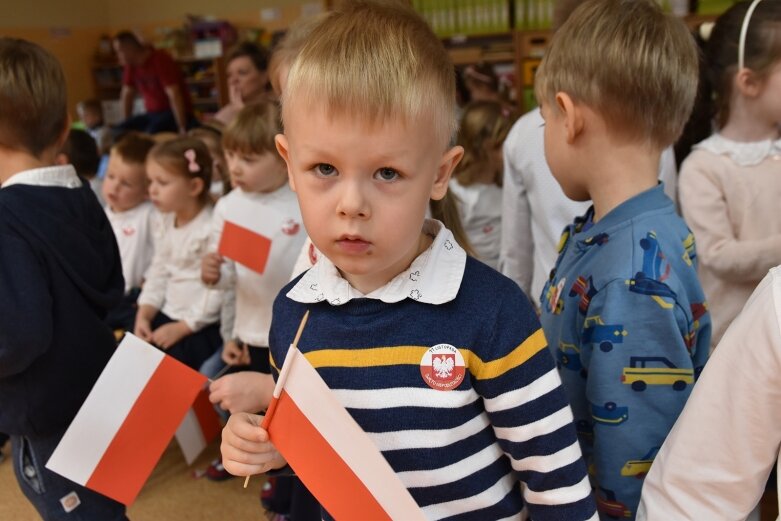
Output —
<point x="247" y="79"/>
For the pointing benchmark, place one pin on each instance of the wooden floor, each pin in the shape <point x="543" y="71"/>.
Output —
<point x="171" y="494"/>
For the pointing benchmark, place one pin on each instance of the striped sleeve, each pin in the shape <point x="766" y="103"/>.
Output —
<point x="530" y="414"/>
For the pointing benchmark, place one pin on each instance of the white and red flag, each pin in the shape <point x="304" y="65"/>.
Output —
<point x="127" y="421"/>
<point x="328" y="450"/>
<point x="200" y="426"/>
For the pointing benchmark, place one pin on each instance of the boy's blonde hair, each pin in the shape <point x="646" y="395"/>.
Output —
<point x="290" y="45"/>
<point x="252" y="131"/>
<point x="33" y="103"/>
<point x="375" y="60"/>
<point x="627" y="60"/>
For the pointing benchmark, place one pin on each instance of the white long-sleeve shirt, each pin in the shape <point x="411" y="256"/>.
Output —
<point x="255" y="292"/>
<point x="480" y="209"/>
<point x="716" y="460"/>
<point x="173" y="281"/>
<point x="133" y="230"/>
<point x="535" y="210"/>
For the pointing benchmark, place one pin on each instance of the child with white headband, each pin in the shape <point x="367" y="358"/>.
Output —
<point x="730" y="185"/>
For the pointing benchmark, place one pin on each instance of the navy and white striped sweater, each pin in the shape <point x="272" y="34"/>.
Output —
<point x="461" y="453"/>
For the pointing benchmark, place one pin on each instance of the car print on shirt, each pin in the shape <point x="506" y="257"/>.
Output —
<point x="639" y="468"/>
<point x="568" y="357"/>
<point x="655" y="370"/>
<point x="609" y="414"/>
<point x="595" y="331"/>
<point x="656" y="269"/>
<point x="608" y="504"/>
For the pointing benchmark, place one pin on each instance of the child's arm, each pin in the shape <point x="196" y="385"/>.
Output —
<point x="245" y="391"/>
<point x="530" y="414"/>
<point x="707" y="213"/>
<point x="639" y="375"/>
<point x="717" y="458"/>
<point x="25" y="307"/>
<point x="246" y="449"/>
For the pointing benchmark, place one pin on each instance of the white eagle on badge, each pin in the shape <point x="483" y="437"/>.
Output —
<point x="443" y="366"/>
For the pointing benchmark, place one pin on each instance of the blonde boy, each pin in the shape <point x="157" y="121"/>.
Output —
<point x="368" y="112"/>
<point x="59" y="273"/>
<point x="133" y="218"/>
<point x="623" y="308"/>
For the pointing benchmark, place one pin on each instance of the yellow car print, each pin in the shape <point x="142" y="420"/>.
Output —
<point x="639" y="467"/>
<point x="655" y="370"/>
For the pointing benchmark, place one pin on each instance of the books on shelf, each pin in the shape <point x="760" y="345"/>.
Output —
<point x="465" y="17"/>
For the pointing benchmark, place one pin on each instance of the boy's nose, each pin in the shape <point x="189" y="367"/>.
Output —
<point x="353" y="202"/>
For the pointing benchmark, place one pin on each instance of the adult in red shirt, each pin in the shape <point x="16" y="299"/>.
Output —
<point x="154" y="75"/>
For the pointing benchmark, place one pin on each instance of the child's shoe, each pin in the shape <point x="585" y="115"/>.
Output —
<point x="216" y="472"/>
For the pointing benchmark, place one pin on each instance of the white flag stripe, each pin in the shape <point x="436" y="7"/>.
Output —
<point x="404" y="397"/>
<point x="541" y="386"/>
<point x="559" y="496"/>
<point x="260" y="219"/>
<point x="550" y="462"/>
<point x="453" y="472"/>
<point x="487" y="498"/>
<point x="425" y="439"/>
<point x="541" y="427"/>
<point x="84" y="443"/>
<point x="189" y="435"/>
<point x="338" y="428"/>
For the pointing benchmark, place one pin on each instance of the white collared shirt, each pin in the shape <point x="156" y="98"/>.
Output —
<point x="743" y="153"/>
<point x="63" y="176"/>
<point x="434" y="277"/>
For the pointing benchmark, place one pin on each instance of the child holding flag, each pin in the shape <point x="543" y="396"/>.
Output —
<point x="438" y="358"/>
<point x="60" y="273"/>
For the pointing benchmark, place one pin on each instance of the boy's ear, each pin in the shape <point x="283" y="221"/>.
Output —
<point x="572" y="114"/>
<point x="447" y="164"/>
<point x="283" y="147"/>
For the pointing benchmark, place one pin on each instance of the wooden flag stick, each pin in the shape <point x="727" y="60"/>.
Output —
<point x="295" y="344"/>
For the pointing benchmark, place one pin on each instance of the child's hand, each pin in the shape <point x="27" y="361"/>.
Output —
<point x="169" y="334"/>
<point x="143" y="329"/>
<point x="246" y="449"/>
<point x="234" y="97"/>
<point x="210" y="268"/>
<point x="233" y="354"/>
<point x="246" y="391"/>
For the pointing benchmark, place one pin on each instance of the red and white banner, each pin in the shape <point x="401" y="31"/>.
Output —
<point x="127" y="421"/>
<point x="200" y="426"/>
<point x="329" y="451"/>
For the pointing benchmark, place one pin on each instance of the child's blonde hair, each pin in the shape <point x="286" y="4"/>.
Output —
<point x="33" y="102"/>
<point x="187" y="157"/>
<point x="484" y="125"/>
<point x="376" y="60"/>
<point x="627" y="60"/>
<point x="253" y="130"/>
<point x="285" y="52"/>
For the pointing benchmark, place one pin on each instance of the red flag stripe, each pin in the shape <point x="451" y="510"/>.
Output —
<point x="146" y="431"/>
<point x="324" y="473"/>
<point x="207" y="416"/>
<point x="244" y="246"/>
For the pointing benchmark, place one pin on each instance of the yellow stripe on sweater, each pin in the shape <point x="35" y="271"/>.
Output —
<point x="412" y="355"/>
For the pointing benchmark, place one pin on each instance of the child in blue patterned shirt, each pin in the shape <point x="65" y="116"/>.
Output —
<point x="438" y="358"/>
<point x="623" y="309"/>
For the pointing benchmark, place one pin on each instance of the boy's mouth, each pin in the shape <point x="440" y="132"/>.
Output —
<point x="352" y="244"/>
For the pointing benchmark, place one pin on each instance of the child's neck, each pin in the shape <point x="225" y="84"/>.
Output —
<point x="13" y="161"/>
<point x="621" y="174"/>
<point x="748" y="123"/>
<point x="186" y="215"/>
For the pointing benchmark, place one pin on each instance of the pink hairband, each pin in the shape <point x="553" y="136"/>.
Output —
<point x="192" y="164"/>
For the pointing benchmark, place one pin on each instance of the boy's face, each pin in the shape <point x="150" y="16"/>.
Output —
<point x="124" y="187"/>
<point x="557" y="152"/>
<point x="261" y="173"/>
<point x="364" y="189"/>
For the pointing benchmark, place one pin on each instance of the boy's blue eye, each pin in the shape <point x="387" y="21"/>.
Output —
<point x="325" y="169"/>
<point x="386" y="174"/>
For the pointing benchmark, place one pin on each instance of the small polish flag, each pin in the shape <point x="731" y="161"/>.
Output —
<point x="244" y="246"/>
<point x="329" y="451"/>
<point x="127" y="421"/>
<point x="200" y="426"/>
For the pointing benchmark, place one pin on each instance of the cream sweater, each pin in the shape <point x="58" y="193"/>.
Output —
<point x="730" y="194"/>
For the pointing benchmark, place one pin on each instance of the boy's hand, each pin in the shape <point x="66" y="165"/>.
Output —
<point x="233" y="354"/>
<point x="210" y="268"/>
<point x="143" y="329"/>
<point x="246" y="391"/>
<point x="169" y="334"/>
<point x="246" y="449"/>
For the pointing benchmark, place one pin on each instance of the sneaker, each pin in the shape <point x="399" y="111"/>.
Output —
<point x="216" y="472"/>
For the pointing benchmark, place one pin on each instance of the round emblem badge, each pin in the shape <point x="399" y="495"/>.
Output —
<point x="442" y="367"/>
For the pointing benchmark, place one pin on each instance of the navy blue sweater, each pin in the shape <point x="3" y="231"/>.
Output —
<point x="59" y="273"/>
<point x="462" y="453"/>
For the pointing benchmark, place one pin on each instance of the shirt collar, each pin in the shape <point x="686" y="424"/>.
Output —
<point x="434" y="277"/>
<point x="743" y="153"/>
<point x="62" y="176"/>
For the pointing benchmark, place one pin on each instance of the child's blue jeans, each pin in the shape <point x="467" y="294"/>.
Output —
<point x="49" y="492"/>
